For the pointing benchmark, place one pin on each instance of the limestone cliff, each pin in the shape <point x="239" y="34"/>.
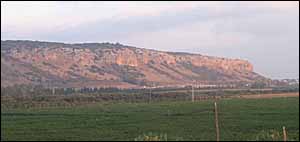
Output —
<point x="112" y="65"/>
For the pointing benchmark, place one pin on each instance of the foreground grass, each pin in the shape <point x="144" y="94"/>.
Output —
<point x="240" y="119"/>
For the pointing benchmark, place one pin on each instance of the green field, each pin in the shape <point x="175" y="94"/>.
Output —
<point x="240" y="119"/>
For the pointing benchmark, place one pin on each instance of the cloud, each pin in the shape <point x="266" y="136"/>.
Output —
<point x="49" y="16"/>
<point x="25" y="17"/>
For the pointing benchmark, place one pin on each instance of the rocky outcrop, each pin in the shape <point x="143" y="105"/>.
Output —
<point x="113" y="65"/>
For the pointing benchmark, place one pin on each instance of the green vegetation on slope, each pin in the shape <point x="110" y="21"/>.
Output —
<point x="240" y="119"/>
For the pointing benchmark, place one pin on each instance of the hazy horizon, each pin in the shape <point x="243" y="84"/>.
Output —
<point x="264" y="33"/>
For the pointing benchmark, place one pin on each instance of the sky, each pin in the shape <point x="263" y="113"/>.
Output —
<point x="264" y="33"/>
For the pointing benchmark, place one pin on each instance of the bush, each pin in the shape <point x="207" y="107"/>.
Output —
<point x="271" y="135"/>
<point x="152" y="137"/>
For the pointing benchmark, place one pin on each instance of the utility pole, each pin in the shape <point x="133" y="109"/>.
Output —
<point x="53" y="91"/>
<point x="193" y="97"/>
<point x="217" y="123"/>
<point x="150" y="96"/>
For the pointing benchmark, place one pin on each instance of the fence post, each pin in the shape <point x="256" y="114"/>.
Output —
<point x="284" y="133"/>
<point x="217" y="122"/>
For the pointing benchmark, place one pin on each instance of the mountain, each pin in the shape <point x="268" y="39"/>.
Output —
<point x="113" y="65"/>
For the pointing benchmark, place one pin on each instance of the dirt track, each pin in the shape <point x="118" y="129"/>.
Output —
<point x="268" y="95"/>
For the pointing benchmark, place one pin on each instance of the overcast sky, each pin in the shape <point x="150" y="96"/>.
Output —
<point x="265" y="33"/>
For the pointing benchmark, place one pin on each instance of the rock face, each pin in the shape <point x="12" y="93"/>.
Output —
<point x="112" y="65"/>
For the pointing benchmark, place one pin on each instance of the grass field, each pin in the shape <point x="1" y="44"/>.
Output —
<point x="240" y="119"/>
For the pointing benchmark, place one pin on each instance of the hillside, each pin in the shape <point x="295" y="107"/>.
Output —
<point x="113" y="65"/>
